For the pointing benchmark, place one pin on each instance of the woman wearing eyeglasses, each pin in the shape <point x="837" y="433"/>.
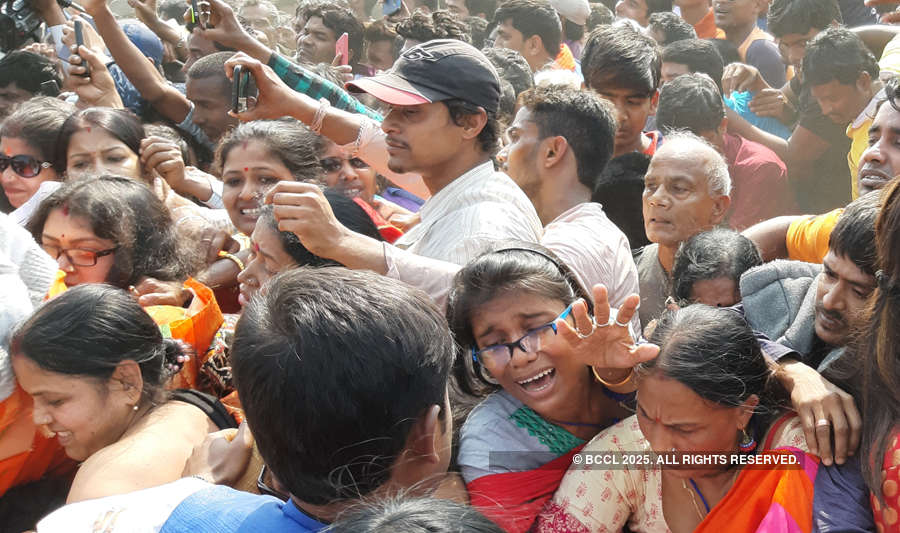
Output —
<point x="356" y="179"/>
<point x="109" y="230"/>
<point x="522" y="323"/>
<point x="349" y="175"/>
<point x="27" y="141"/>
<point x="115" y="230"/>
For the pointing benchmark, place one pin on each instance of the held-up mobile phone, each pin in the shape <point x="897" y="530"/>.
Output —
<point x="390" y="7"/>
<point x="342" y="46"/>
<point x="79" y="41"/>
<point x="195" y="15"/>
<point x="50" y="88"/>
<point x="239" y="88"/>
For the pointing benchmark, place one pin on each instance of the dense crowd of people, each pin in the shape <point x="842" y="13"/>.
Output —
<point x="463" y="265"/>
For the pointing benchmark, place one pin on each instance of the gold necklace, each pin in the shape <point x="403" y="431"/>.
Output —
<point x="693" y="500"/>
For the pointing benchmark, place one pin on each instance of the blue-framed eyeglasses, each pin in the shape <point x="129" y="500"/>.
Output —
<point x="498" y="355"/>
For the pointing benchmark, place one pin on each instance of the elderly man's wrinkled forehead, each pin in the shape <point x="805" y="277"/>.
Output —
<point x="693" y="157"/>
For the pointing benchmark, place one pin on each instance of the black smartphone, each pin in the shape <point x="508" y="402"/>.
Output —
<point x="50" y="88"/>
<point x="79" y="41"/>
<point x="240" y="86"/>
<point x="195" y="15"/>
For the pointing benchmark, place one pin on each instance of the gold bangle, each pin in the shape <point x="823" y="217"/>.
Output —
<point x="608" y="384"/>
<point x="225" y="255"/>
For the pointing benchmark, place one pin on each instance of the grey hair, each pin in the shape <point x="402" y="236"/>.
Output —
<point x="714" y="166"/>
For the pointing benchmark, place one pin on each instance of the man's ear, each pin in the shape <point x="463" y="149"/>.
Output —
<point x="553" y="150"/>
<point x="472" y="124"/>
<point x="720" y="208"/>
<point x="654" y="102"/>
<point x="421" y="457"/>
<point x="127" y="379"/>
<point x="534" y="45"/>
<point x="424" y="435"/>
<point x="864" y="82"/>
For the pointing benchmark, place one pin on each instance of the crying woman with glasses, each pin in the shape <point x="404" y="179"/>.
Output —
<point x="555" y="364"/>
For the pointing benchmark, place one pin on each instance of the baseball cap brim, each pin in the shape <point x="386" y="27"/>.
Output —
<point x="389" y="88"/>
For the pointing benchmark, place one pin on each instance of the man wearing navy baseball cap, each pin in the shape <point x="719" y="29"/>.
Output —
<point x="443" y="96"/>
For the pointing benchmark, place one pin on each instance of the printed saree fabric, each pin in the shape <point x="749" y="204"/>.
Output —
<point x="762" y="500"/>
<point x="512" y="460"/>
<point x="887" y="512"/>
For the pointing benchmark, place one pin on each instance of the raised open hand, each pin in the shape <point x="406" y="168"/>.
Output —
<point x="601" y="341"/>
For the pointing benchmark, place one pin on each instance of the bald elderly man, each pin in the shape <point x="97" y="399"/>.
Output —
<point x="686" y="191"/>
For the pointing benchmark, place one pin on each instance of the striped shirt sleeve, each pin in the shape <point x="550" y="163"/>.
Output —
<point x="317" y="87"/>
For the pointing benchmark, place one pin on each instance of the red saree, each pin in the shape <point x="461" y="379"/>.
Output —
<point x="514" y="499"/>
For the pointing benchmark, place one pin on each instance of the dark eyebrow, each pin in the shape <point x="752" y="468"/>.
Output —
<point x="865" y="286"/>
<point x="524" y="316"/>
<point x="88" y="239"/>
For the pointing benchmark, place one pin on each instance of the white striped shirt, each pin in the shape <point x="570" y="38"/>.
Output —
<point x="583" y="237"/>
<point x="471" y="213"/>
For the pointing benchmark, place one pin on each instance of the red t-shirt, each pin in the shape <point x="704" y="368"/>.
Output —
<point x="654" y="142"/>
<point x="759" y="184"/>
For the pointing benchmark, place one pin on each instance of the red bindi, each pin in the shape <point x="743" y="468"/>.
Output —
<point x="88" y="129"/>
<point x="246" y="169"/>
<point x="255" y="247"/>
<point x="65" y="209"/>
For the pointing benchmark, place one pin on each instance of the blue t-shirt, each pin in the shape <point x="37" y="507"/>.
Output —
<point x="221" y="509"/>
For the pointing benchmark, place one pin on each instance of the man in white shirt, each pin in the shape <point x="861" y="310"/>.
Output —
<point x="561" y="141"/>
<point x="444" y="96"/>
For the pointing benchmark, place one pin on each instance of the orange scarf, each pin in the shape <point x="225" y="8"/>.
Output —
<point x="195" y="325"/>
<point x="564" y="59"/>
<point x="769" y="500"/>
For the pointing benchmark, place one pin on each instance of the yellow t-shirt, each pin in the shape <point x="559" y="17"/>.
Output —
<point x="859" y="137"/>
<point x="807" y="237"/>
